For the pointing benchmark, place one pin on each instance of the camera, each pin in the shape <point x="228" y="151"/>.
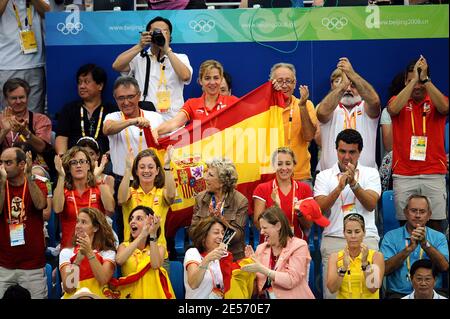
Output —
<point x="158" y="38"/>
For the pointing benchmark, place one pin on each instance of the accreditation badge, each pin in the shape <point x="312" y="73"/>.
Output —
<point x="418" y="148"/>
<point x="163" y="101"/>
<point x="16" y="234"/>
<point x="28" y="43"/>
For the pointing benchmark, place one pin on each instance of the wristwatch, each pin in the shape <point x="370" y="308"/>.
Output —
<point x="341" y="271"/>
<point x="425" y="80"/>
<point x="151" y="238"/>
<point x="427" y="244"/>
<point x="364" y="267"/>
<point x="355" y="187"/>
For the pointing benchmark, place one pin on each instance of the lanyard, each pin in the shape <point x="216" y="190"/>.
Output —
<point x="162" y="76"/>
<point x="83" y="134"/>
<point x="408" y="262"/>
<point x="291" y="112"/>
<point x="28" y="19"/>
<point x="424" y="117"/>
<point x="75" y="200"/>
<point x="127" y="136"/>
<point x="22" y="210"/>
<point x="349" y="119"/>
<point x="293" y="189"/>
<point x="349" y="281"/>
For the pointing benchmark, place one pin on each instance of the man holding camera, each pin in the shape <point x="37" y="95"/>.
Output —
<point x="160" y="72"/>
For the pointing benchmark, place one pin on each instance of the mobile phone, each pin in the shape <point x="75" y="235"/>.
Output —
<point x="228" y="235"/>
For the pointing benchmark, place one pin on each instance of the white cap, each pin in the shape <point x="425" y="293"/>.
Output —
<point x="256" y="6"/>
<point x="117" y="9"/>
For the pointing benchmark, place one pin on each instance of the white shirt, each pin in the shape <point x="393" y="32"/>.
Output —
<point x="365" y="125"/>
<point x="203" y="291"/>
<point x="327" y="180"/>
<point x="174" y="84"/>
<point x="11" y="57"/>
<point x="118" y="143"/>
<point x="435" y="296"/>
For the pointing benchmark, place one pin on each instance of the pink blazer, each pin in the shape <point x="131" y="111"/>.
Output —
<point x="291" y="281"/>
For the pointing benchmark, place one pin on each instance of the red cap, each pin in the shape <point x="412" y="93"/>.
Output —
<point x="312" y="212"/>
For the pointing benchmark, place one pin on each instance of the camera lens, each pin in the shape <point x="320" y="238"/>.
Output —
<point x="158" y="38"/>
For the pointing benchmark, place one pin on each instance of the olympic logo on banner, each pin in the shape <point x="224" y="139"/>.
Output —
<point x="334" y="23"/>
<point x="72" y="24"/>
<point x="202" y="25"/>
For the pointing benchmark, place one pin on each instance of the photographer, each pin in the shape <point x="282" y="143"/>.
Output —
<point x="160" y="72"/>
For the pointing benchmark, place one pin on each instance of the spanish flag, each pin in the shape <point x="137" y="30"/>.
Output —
<point x="247" y="132"/>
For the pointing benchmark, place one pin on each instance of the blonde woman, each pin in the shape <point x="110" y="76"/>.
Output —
<point x="201" y="108"/>
<point x="356" y="272"/>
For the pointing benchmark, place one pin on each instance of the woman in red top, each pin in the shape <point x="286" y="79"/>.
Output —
<point x="201" y="108"/>
<point x="284" y="192"/>
<point x="79" y="185"/>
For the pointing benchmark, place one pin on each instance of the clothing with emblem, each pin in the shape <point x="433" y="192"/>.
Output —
<point x="153" y="199"/>
<point x="91" y="197"/>
<point x="195" y="108"/>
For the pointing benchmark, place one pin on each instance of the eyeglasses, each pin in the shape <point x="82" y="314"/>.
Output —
<point x="426" y="280"/>
<point x="7" y="162"/>
<point x="76" y="162"/>
<point x="417" y="210"/>
<point x="285" y="81"/>
<point x="127" y="97"/>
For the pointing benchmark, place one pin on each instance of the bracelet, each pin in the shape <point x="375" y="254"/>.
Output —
<point x="91" y="257"/>
<point x="203" y="267"/>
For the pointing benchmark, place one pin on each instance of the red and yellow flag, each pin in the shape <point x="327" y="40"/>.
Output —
<point x="247" y="132"/>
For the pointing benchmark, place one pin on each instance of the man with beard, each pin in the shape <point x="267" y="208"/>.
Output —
<point x="347" y="187"/>
<point x="351" y="103"/>
<point x="419" y="162"/>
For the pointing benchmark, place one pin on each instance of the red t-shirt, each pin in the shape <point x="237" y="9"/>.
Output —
<point x="435" y="160"/>
<point x="69" y="213"/>
<point x="31" y="255"/>
<point x="195" y="108"/>
<point x="302" y="190"/>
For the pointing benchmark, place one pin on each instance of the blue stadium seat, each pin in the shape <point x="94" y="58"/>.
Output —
<point x="58" y="292"/>
<point x="177" y="278"/>
<point x="312" y="277"/>
<point x="179" y="241"/>
<point x="247" y="232"/>
<point x="390" y="222"/>
<point x="256" y="234"/>
<point x="51" y="229"/>
<point x="48" y="273"/>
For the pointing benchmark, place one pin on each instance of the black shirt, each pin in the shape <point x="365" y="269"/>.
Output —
<point x="69" y="123"/>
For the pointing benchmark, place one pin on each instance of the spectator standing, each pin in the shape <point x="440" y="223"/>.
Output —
<point x="168" y="72"/>
<point x="351" y="103"/>
<point x="419" y="166"/>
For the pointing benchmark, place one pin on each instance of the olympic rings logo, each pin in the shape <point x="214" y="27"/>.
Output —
<point x="202" y="25"/>
<point x="334" y="23"/>
<point x="72" y="24"/>
<point x="66" y="28"/>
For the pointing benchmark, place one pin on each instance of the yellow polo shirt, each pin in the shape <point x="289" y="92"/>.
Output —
<point x="153" y="199"/>
<point x="294" y="138"/>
